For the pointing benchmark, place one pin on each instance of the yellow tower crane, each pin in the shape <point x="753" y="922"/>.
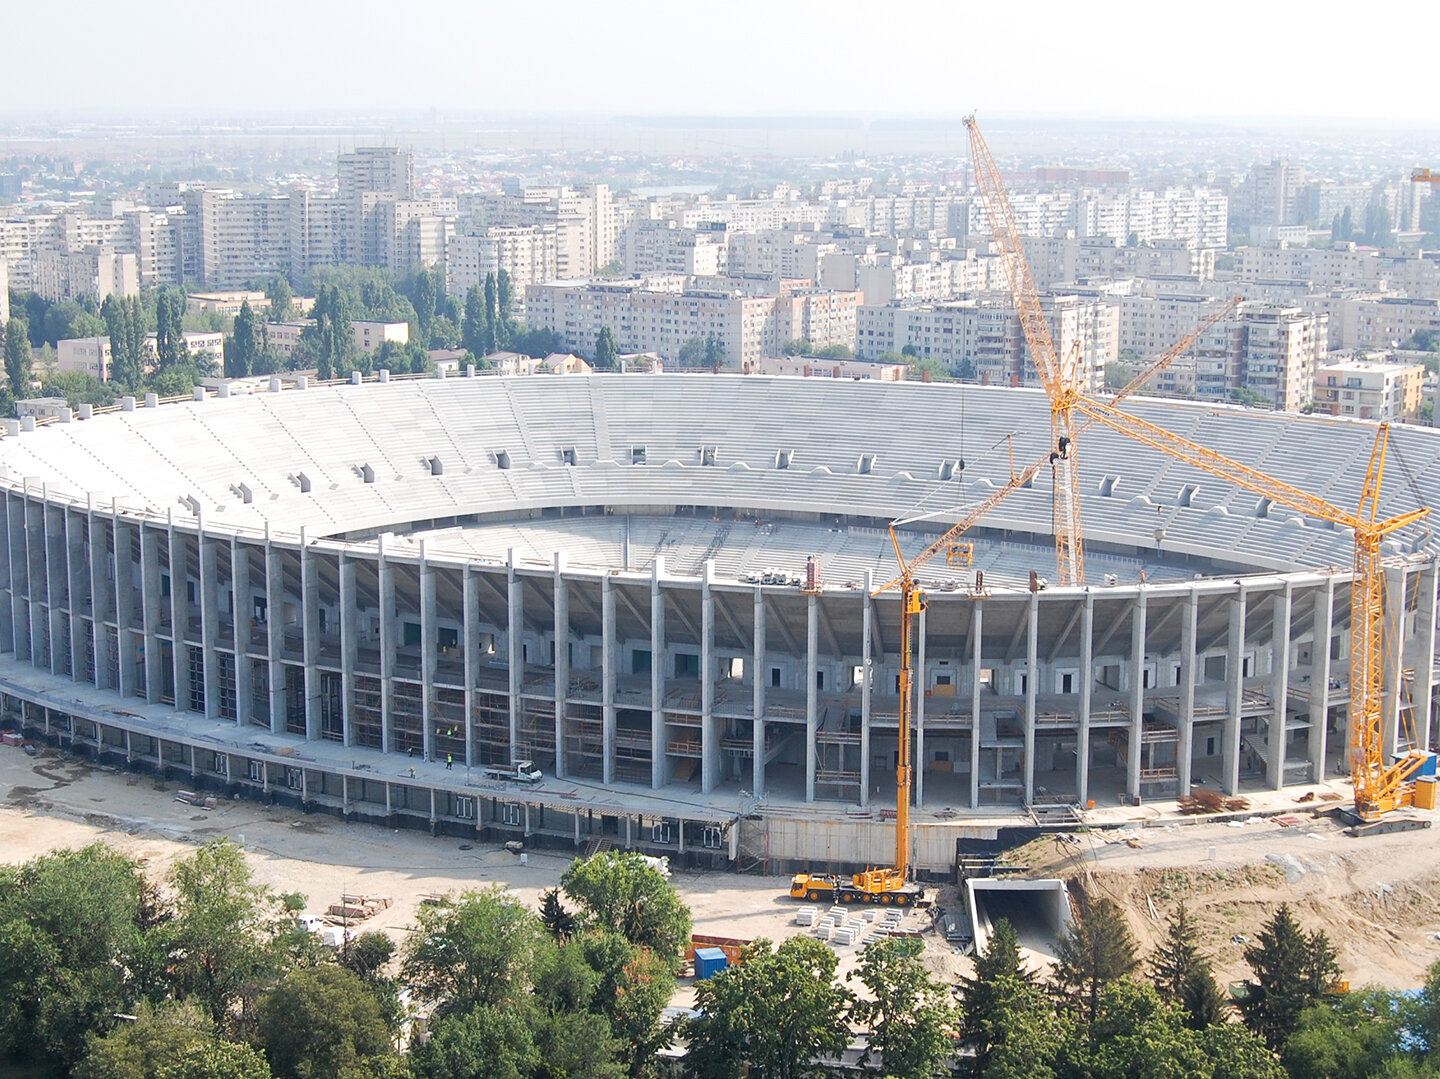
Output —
<point x="1057" y="375"/>
<point x="1379" y="786"/>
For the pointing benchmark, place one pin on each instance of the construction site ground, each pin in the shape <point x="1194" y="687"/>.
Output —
<point x="1378" y="898"/>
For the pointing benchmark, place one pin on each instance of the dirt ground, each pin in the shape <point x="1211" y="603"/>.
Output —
<point x="1377" y="898"/>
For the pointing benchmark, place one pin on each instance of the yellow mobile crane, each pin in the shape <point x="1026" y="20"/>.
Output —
<point x="892" y="884"/>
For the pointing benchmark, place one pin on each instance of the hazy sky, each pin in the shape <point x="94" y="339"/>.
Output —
<point x="1120" y="58"/>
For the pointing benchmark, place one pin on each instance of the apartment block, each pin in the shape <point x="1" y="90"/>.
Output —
<point x="87" y="355"/>
<point x="648" y="247"/>
<point x="654" y="316"/>
<point x="369" y="336"/>
<point x="528" y="253"/>
<point x="1370" y="390"/>
<point x="93" y="272"/>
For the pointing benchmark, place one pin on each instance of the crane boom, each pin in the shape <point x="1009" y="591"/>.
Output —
<point x="1378" y="786"/>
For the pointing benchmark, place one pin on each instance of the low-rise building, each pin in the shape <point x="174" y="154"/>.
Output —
<point x="88" y="355"/>
<point x="369" y="336"/>
<point x="819" y="367"/>
<point x="1370" y="390"/>
<point x="225" y="303"/>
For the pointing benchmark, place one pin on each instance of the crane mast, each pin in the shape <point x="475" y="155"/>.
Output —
<point x="1056" y="374"/>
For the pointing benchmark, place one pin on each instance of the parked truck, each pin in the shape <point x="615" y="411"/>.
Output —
<point x="519" y="771"/>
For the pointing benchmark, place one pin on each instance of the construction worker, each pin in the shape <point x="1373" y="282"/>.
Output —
<point x="449" y="761"/>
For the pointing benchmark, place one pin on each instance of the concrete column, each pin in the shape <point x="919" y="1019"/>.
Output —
<point x="1032" y="679"/>
<point x="1087" y="684"/>
<point x="349" y="644"/>
<point x="812" y="666"/>
<point x="150" y="602"/>
<point x="710" y="776"/>
<point x="1235" y="677"/>
<point x="78" y="589"/>
<point x="101" y="600"/>
<point x="917" y="763"/>
<point x="209" y="621"/>
<point x="1279" y="684"/>
<point x="310" y="636"/>
<point x="758" y="681"/>
<point x="7" y="593"/>
<point x="470" y="600"/>
<point x="561" y="630"/>
<point x="657" y="675"/>
<point x="243" y="612"/>
<point x="1137" y="695"/>
<point x="385" y="582"/>
<point x="36" y="589"/>
<point x="607" y="677"/>
<point x="867" y="630"/>
<point x="1320" y="675"/>
<point x="429" y="657"/>
<point x="1422" y="652"/>
<point x="515" y="646"/>
<point x="977" y="626"/>
<point x="179" y="618"/>
<point x="275" y="632"/>
<point x="1184" y="749"/>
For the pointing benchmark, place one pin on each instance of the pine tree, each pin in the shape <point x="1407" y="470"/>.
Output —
<point x="1292" y="971"/>
<point x="475" y="327"/>
<point x="559" y="921"/>
<point x="244" y="345"/>
<point x="606" y="352"/>
<point x="1183" y="976"/>
<point x="1096" y="950"/>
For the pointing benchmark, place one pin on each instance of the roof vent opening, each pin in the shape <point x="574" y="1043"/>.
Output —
<point x="437" y="466"/>
<point x="367" y="473"/>
<point x="784" y="458"/>
<point x="568" y="455"/>
<point x="247" y="496"/>
<point x="1188" y="493"/>
<point x="866" y="464"/>
<point x="1262" y="508"/>
<point x="707" y="455"/>
<point x="1108" y="484"/>
<point x="950" y="469"/>
<point x="304" y="482"/>
<point x="502" y="458"/>
<point x="637" y="455"/>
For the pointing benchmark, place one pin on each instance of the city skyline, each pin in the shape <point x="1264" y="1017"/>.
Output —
<point x="642" y="58"/>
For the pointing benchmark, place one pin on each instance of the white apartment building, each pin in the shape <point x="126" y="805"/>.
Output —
<point x="784" y="253"/>
<point x="528" y="253"/>
<point x="1340" y="266"/>
<point x="94" y="272"/>
<point x="1368" y="390"/>
<point x="986" y="333"/>
<point x="1387" y="322"/>
<point x="648" y="247"/>
<point x="652" y="317"/>
<point x="1283" y="347"/>
<point x="204" y="346"/>
<point x="1059" y="260"/>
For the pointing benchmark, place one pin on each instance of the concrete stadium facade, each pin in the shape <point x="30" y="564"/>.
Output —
<point x="357" y="597"/>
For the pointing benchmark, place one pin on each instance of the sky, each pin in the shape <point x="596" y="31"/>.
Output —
<point x="1119" y="59"/>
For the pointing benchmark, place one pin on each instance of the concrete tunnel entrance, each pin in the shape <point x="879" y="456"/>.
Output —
<point x="1038" y="909"/>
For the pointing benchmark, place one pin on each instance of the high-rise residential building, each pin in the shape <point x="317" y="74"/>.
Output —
<point x="526" y="252"/>
<point x="1274" y="194"/>
<point x="94" y="273"/>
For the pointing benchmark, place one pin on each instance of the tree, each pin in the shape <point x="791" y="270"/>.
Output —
<point x="423" y="297"/>
<point x="475" y="329"/>
<point x="777" y="1013"/>
<point x="1350" y="1038"/>
<point x="1183" y="976"/>
<point x="1097" y="949"/>
<point x="692" y="353"/>
<point x="1379" y="228"/>
<point x="490" y="1041"/>
<point x="624" y="893"/>
<point x="215" y="1059"/>
<point x="606" y="351"/>
<point x="479" y="951"/>
<point x="929" y="369"/>
<point x="222" y="939"/>
<point x="169" y="329"/>
<point x="911" y="1020"/>
<point x="282" y="299"/>
<point x="72" y="928"/>
<point x="714" y="352"/>
<point x="1006" y="1019"/>
<point x="17" y="356"/>
<point x="558" y="921"/>
<point x="504" y="298"/>
<point x="632" y="987"/>
<point x="173" y="1041"/>
<point x="243" y="348"/>
<point x="321" y="1023"/>
<point x="366" y="956"/>
<point x="1292" y="971"/>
